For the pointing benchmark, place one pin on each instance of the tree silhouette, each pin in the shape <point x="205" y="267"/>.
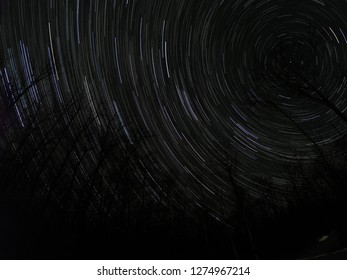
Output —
<point x="293" y="68"/>
<point x="66" y="167"/>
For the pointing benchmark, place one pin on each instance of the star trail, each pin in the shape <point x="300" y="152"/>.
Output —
<point x="198" y="76"/>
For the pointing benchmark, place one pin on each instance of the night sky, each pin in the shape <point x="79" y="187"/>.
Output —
<point x="194" y="75"/>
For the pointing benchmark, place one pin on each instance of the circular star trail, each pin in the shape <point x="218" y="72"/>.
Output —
<point x="195" y="75"/>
